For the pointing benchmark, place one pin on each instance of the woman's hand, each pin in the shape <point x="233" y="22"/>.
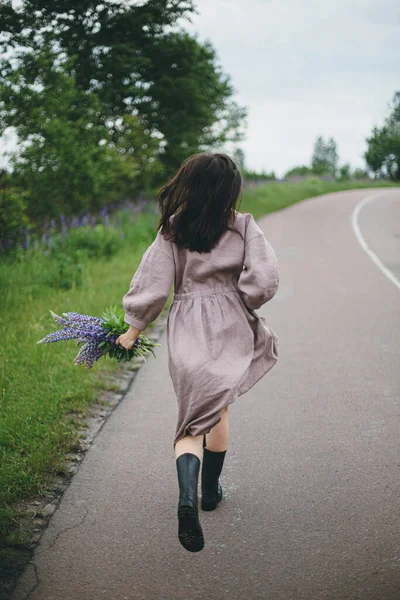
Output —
<point x="127" y="340"/>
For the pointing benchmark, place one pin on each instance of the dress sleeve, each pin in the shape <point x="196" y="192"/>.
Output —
<point x="151" y="285"/>
<point x="259" y="280"/>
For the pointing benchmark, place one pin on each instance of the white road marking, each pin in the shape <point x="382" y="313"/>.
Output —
<point x="363" y="243"/>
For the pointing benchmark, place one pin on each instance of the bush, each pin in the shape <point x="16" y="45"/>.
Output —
<point x="98" y="241"/>
<point x="13" y="218"/>
<point x="64" y="272"/>
<point x="65" y="264"/>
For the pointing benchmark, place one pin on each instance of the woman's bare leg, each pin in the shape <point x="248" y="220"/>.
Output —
<point x="218" y="438"/>
<point x="216" y="441"/>
<point x="190" y="444"/>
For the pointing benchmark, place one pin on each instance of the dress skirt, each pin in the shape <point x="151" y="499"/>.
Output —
<point x="218" y="349"/>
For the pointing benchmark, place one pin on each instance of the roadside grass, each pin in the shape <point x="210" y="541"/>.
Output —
<point x="268" y="198"/>
<point x="42" y="392"/>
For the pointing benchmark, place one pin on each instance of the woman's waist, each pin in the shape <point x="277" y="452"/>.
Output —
<point x="206" y="291"/>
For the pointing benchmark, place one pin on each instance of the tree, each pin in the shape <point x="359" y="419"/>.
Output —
<point x="257" y="175"/>
<point x="13" y="218"/>
<point x="325" y="157"/>
<point x="70" y="160"/>
<point x="239" y="158"/>
<point x="360" y="174"/>
<point x="301" y="171"/>
<point x="188" y="101"/>
<point x="345" y="172"/>
<point x="383" y="152"/>
<point x="136" y="61"/>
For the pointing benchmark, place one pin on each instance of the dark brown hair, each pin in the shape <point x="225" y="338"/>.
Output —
<point x="201" y="200"/>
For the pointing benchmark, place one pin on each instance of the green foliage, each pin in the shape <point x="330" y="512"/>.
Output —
<point x="42" y="391"/>
<point x="61" y="263"/>
<point x="269" y="198"/>
<point x="239" y="158"/>
<point x="301" y="171"/>
<point x="13" y="217"/>
<point x="130" y="58"/>
<point x="139" y="147"/>
<point x="68" y="163"/>
<point x="66" y="273"/>
<point x="113" y="321"/>
<point x="383" y="153"/>
<point x="360" y="174"/>
<point x="325" y="157"/>
<point x="256" y="175"/>
<point x="87" y="241"/>
<point x="192" y="96"/>
<point x="345" y="172"/>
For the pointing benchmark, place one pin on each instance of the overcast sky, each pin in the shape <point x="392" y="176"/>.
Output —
<point x="306" y="68"/>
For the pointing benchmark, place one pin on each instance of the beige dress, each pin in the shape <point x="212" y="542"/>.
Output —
<point x="218" y="346"/>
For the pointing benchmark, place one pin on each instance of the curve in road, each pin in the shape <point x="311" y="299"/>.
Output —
<point x="394" y="234"/>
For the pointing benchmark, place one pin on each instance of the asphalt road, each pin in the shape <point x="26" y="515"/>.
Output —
<point x="312" y="486"/>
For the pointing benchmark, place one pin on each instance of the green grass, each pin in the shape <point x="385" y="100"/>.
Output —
<point x="42" y="392"/>
<point x="275" y="196"/>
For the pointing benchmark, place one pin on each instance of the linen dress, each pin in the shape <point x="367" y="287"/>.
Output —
<point x="218" y="346"/>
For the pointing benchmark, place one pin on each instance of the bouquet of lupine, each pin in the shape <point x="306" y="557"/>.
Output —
<point x="98" y="336"/>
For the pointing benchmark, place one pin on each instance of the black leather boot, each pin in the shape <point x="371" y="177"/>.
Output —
<point x="211" y="490"/>
<point x="190" y="533"/>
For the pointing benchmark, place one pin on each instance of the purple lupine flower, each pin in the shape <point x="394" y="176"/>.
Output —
<point x="63" y="225"/>
<point x="78" y="317"/>
<point x="57" y="318"/>
<point x="89" y="353"/>
<point x="84" y="328"/>
<point x="95" y="335"/>
<point x="58" y="336"/>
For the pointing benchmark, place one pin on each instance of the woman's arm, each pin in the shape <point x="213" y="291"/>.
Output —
<point x="259" y="279"/>
<point x="149" y="289"/>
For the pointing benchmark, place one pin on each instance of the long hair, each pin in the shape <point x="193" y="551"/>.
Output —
<point x="198" y="204"/>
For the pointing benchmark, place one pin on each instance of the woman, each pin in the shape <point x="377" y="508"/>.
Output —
<point x="222" y="268"/>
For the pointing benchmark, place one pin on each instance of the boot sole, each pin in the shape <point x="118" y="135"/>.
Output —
<point x="190" y="533"/>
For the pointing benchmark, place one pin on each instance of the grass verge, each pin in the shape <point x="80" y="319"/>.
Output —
<point x="269" y="198"/>
<point x="41" y="389"/>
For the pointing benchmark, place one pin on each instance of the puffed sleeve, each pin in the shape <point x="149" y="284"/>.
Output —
<point x="259" y="280"/>
<point x="151" y="285"/>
